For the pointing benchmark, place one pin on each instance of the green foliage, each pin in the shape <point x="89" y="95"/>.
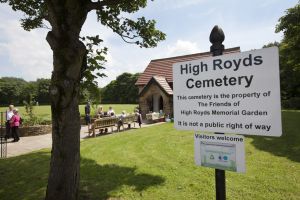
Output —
<point x="272" y="44"/>
<point x="15" y="91"/>
<point x="91" y="94"/>
<point x="121" y="90"/>
<point x="11" y="90"/>
<point x="34" y="12"/>
<point x="289" y="50"/>
<point x="31" y="118"/>
<point x="290" y="25"/>
<point x="141" y="32"/>
<point x="43" y="96"/>
<point x="289" y="57"/>
<point x="29" y="107"/>
<point x="29" y="91"/>
<point x="95" y="61"/>
<point x="110" y="13"/>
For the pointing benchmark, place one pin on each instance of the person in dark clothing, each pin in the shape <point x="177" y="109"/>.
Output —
<point x="138" y="117"/>
<point x="87" y="111"/>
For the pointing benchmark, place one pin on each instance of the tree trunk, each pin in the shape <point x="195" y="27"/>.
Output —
<point x="66" y="18"/>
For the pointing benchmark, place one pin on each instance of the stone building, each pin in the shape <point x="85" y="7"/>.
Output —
<point x="156" y="82"/>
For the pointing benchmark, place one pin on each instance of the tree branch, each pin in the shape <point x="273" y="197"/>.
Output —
<point x="126" y="40"/>
<point x="100" y="4"/>
<point x="125" y="36"/>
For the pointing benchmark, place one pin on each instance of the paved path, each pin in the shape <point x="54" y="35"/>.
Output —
<point x="34" y="143"/>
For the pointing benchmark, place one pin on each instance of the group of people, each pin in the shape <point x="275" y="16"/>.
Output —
<point x="13" y="121"/>
<point x="137" y="114"/>
<point x="100" y="113"/>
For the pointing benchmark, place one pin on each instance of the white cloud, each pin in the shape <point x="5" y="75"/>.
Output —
<point x="182" y="47"/>
<point x="2" y="48"/>
<point x="111" y="75"/>
<point x="28" y="53"/>
<point x="249" y="38"/>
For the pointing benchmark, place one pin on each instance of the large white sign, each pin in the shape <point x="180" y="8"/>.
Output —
<point x="233" y="93"/>
<point x="225" y="152"/>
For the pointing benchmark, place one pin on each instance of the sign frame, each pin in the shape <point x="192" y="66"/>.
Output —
<point x="246" y="101"/>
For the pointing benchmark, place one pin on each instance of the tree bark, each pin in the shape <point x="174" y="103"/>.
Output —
<point x="66" y="18"/>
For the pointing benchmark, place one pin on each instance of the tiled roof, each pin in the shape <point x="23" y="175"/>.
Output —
<point x="162" y="83"/>
<point x="163" y="67"/>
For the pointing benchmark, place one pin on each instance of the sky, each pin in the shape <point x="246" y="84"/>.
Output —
<point x="187" y="24"/>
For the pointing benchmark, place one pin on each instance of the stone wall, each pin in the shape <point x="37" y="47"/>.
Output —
<point x="34" y="130"/>
<point x="144" y="101"/>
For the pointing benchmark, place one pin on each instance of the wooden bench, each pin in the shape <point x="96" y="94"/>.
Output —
<point x="132" y="118"/>
<point x="103" y="123"/>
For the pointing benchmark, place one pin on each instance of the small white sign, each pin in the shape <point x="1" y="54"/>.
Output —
<point x="232" y="93"/>
<point x="219" y="151"/>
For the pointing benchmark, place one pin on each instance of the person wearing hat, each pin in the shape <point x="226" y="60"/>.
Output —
<point x="14" y="124"/>
<point x="9" y="114"/>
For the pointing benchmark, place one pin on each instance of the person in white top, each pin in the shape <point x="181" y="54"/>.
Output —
<point x="121" y="118"/>
<point x="9" y="114"/>
<point x="100" y="112"/>
<point x="123" y="115"/>
<point x="110" y="112"/>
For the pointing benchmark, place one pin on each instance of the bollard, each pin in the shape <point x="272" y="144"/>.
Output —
<point x="3" y="141"/>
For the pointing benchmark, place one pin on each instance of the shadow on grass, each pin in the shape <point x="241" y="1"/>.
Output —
<point x="25" y="177"/>
<point x="98" y="181"/>
<point x="288" y="145"/>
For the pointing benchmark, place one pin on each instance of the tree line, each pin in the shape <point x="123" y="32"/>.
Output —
<point x="16" y="90"/>
<point x="121" y="90"/>
<point x="289" y="57"/>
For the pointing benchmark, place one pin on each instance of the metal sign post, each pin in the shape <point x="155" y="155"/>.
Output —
<point x="3" y="141"/>
<point x="216" y="38"/>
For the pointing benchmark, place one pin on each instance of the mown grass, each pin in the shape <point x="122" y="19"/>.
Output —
<point x="44" y="111"/>
<point x="158" y="163"/>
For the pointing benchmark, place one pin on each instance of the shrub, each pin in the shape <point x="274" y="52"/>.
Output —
<point x="292" y="103"/>
<point x="31" y="118"/>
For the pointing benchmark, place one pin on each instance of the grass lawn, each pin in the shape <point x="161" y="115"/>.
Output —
<point x="158" y="163"/>
<point x="45" y="111"/>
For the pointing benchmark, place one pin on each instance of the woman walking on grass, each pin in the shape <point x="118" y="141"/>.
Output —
<point x="14" y="124"/>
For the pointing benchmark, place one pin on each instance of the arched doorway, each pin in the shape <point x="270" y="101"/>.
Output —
<point x="161" y="103"/>
<point x="158" y="103"/>
<point x="150" y="103"/>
